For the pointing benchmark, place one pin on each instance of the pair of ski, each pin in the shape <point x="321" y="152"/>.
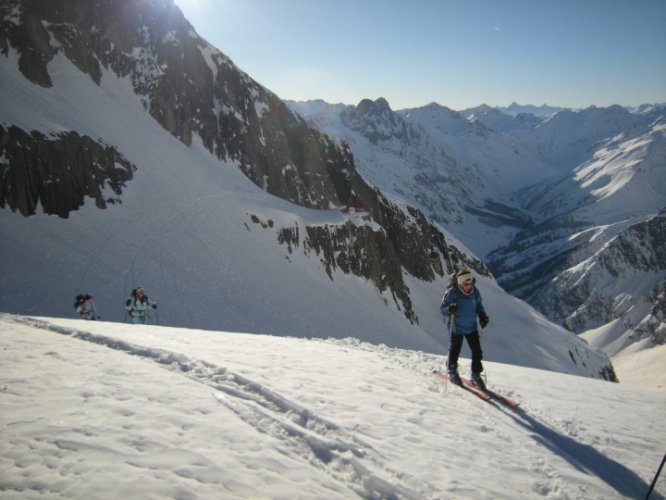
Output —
<point x="485" y="394"/>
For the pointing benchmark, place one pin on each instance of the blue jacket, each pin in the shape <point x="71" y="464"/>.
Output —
<point x="468" y="307"/>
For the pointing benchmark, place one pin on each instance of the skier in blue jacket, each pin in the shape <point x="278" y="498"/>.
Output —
<point x="462" y="304"/>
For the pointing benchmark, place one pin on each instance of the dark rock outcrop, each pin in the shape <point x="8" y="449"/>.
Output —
<point x="405" y="242"/>
<point x="58" y="172"/>
<point x="584" y="297"/>
<point x="185" y="84"/>
<point x="196" y="93"/>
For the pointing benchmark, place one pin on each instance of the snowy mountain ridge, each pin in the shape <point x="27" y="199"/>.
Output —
<point x="534" y="197"/>
<point x="516" y="109"/>
<point x="240" y="229"/>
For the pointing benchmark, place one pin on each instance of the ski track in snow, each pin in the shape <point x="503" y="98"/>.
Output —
<point x="354" y="463"/>
<point x="320" y="442"/>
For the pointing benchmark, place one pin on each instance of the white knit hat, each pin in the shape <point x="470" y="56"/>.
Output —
<point x="464" y="277"/>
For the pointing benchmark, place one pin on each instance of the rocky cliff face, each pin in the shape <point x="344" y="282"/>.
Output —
<point x="405" y="242"/>
<point x="197" y="94"/>
<point x="58" y="172"/>
<point x="424" y="172"/>
<point x="624" y="279"/>
<point x="188" y="86"/>
<point x="541" y="199"/>
<point x="581" y="266"/>
<point x="376" y="121"/>
<point x="653" y="325"/>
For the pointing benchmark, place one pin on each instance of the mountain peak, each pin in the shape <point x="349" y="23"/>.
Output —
<point x="516" y="109"/>
<point x="376" y="107"/>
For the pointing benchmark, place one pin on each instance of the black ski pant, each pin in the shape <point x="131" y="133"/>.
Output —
<point x="474" y="343"/>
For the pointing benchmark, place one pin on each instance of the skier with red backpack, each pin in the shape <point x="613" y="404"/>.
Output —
<point x="85" y="306"/>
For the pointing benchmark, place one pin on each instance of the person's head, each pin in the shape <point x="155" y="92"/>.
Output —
<point x="465" y="279"/>
<point x="140" y="292"/>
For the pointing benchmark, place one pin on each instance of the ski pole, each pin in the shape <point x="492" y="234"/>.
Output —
<point x="485" y="370"/>
<point x="452" y="326"/>
<point x="96" y="315"/>
<point x="157" y="314"/>
<point x="654" y="481"/>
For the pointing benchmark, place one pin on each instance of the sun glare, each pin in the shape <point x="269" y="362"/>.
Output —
<point x="192" y="4"/>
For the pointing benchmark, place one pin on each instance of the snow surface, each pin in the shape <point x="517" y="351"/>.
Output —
<point x="635" y="365"/>
<point x="103" y="410"/>
<point x="638" y="363"/>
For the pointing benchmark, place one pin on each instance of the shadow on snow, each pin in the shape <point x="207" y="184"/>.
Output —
<point x="583" y="457"/>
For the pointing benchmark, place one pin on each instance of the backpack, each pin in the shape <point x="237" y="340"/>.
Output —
<point x="80" y="299"/>
<point x="134" y="299"/>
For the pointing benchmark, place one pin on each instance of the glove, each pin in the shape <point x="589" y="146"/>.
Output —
<point x="451" y="309"/>
<point x="483" y="319"/>
<point x="154" y="306"/>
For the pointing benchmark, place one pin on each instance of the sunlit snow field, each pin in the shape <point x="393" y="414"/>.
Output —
<point x="102" y="410"/>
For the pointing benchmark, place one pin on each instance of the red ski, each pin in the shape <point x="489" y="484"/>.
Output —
<point x="485" y="394"/>
<point x="491" y="394"/>
<point x="468" y="387"/>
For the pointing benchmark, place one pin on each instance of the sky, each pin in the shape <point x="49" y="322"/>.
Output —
<point x="458" y="53"/>
<point x="92" y="409"/>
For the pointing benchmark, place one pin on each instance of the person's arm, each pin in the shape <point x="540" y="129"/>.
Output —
<point x="448" y="305"/>
<point x="481" y="311"/>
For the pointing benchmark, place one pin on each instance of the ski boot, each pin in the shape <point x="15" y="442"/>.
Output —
<point x="478" y="381"/>
<point x="454" y="377"/>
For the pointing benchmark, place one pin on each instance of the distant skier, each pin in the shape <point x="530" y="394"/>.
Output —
<point x="462" y="304"/>
<point x="85" y="306"/>
<point x="137" y="304"/>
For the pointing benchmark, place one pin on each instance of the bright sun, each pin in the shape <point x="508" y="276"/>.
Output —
<point x="190" y="3"/>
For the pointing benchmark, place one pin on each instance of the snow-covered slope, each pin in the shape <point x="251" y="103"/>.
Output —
<point x="213" y="248"/>
<point x="599" y="251"/>
<point x="543" y="200"/>
<point x="395" y="155"/>
<point x="103" y="410"/>
<point x="439" y="161"/>
<point x="191" y="229"/>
